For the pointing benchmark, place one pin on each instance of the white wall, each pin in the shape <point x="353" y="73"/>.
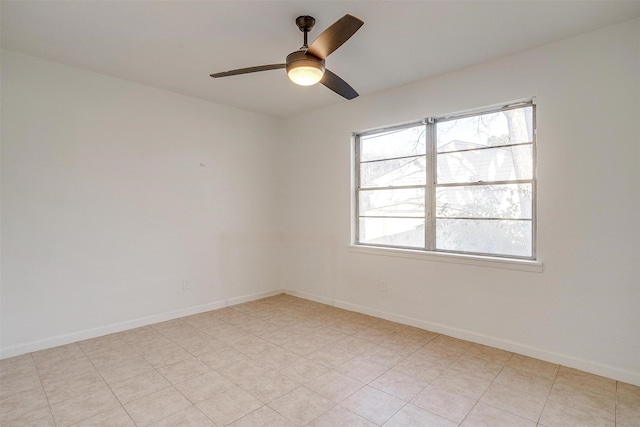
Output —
<point x="113" y="193"/>
<point x="583" y="310"/>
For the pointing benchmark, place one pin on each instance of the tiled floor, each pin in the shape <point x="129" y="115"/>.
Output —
<point x="285" y="361"/>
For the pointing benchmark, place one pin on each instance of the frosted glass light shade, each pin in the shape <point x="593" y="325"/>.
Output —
<point x="306" y="75"/>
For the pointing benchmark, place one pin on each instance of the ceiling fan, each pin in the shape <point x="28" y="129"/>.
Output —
<point x="305" y="66"/>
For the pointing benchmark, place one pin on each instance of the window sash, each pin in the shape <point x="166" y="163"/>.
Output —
<point x="431" y="185"/>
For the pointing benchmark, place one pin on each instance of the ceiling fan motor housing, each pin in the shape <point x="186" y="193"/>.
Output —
<point x="301" y="58"/>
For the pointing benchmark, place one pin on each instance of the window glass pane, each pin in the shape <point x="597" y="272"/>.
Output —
<point x="406" y="202"/>
<point x="485" y="201"/>
<point x="387" y="173"/>
<point x="408" y="232"/>
<point x="396" y="143"/>
<point x="491" y="164"/>
<point x="499" y="237"/>
<point x="486" y="130"/>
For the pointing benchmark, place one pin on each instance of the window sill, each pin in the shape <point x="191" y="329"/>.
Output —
<point x="481" y="261"/>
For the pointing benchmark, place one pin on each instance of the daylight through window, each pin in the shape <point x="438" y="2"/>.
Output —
<point x="463" y="184"/>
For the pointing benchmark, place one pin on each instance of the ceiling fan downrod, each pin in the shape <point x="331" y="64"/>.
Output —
<point x="305" y="24"/>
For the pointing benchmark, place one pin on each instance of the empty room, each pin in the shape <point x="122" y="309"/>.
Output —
<point x="320" y="213"/>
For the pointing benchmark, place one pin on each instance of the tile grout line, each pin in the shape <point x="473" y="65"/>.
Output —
<point x="44" y="391"/>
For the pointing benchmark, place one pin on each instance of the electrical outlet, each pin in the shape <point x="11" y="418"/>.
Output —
<point x="382" y="285"/>
<point x="186" y="286"/>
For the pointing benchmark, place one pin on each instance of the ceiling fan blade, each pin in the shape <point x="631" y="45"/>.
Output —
<point x="338" y="85"/>
<point x="334" y="36"/>
<point x="248" y="70"/>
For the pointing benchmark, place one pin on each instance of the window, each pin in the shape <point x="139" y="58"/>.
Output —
<point x="461" y="184"/>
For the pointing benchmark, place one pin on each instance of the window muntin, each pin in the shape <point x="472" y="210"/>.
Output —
<point x="457" y="184"/>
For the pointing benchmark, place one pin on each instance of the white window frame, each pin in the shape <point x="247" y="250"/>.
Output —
<point x="431" y="253"/>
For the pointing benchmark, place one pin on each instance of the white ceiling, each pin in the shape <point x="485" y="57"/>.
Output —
<point x="175" y="45"/>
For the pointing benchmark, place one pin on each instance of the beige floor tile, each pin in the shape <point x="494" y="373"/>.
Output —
<point x="117" y="371"/>
<point x="593" y="403"/>
<point x="69" y="387"/>
<point x="139" y="386"/>
<point x="200" y="344"/>
<point x="353" y="345"/>
<point x="628" y="390"/>
<point x="38" y="418"/>
<point x="226" y="333"/>
<point x="487" y="416"/>
<point x="264" y="417"/>
<point x="151" y="342"/>
<point x="534" y="366"/>
<point x="340" y="417"/>
<point x="54" y="356"/>
<point x="94" y="347"/>
<point x="156" y="406"/>
<point x="183" y="370"/>
<point x="490" y="354"/>
<point x="399" y="385"/>
<point x="586" y="380"/>
<point x="454" y="345"/>
<point x="115" y="354"/>
<point x="63" y="370"/>
<point x="220" y="358"/>
<point x="17" y="365"/>
<point x="303" y="346"/>
<point x="253" y="345"/>
<point x="477" y="367"/>
<point x="116" y="417"/>
<point x="426" y="369"/>
<point x="229" y="405"/>
<point x="17" y="382"/>
<point x="373" y="404"/>
<point x="438" y="352"/>
<point x="444" y="403"/>
<point x="361" y="369"/>
<point x="279" y="336"/>
<point x="415" y="417"/>
<point x="524" y="382"/>
<point x="515" y="401"/>
<point x="346" y="327"/>
<point x="556" y="415"/>
<point x="138" y="334"/>
<point x="465" y="383"/>
<point x="259" y="327"/>
<point x="164" y="355"/>
<point x="20" y="404"/>
<point x="417" y="334"/>
<point x="204" y="386"/>
<point x="374" y="334"/>
<point x="83" y="406"/>
<point x="277" y="358"/>
<point x="303" y="370"/>
<point x="402" y="344"/>
<point x="190" y="417"/>
<point x="331" y="357"/>
<point x="628" y="410"/>
<point x="301" y="405"/>
<point x="268" y="386"/>
<point x="334" y="386"/>
<point x="327" y="336"/>
<point x="384" y="356"/>
<point x="243" y="370"/>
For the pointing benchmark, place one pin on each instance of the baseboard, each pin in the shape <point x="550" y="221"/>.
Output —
<point x="311" y="297"/>
<point x="512" y="346"/>
<point x="58" y="340"/>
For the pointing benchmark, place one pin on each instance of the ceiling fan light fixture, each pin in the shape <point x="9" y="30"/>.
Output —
<point x="305" y="75"/>
<point x="303" y="69"/>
